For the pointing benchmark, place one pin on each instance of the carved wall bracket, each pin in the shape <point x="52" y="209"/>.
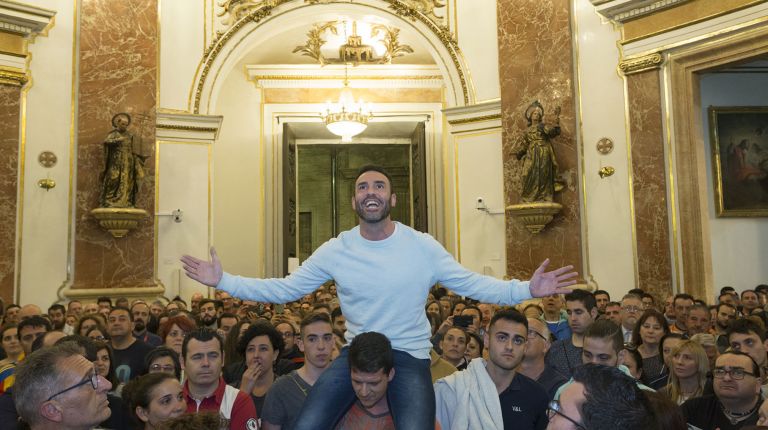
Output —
<point x="641" y="64"/>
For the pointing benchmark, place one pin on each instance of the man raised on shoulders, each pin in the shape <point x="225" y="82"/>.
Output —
<point x="376" y="297"/>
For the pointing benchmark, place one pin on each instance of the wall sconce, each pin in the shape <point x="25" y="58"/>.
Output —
<point x="481" y="206"/>
<point x="606" y="171"/>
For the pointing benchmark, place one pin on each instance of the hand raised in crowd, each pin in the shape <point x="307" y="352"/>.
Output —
<point x="445" y="326"/>
<point x="544" y="284"/>
<point x="250" y="376"/>
<point x="205" y="272"/>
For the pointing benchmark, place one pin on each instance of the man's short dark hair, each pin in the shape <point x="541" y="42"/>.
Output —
<point x="314" y="317"/>
<point x="720" y="297"/>
<point x="89" y="346"/>
<point x="755" y="366"/>
<point x="261" y="328"/>
<point x="636" y="291"/>
<point x="606" y="329"/>
<point x="227" y="315"/>
<point x="613" y="304"/>
<point x="120" y="308"/>
<point x="205" y="302"/>
<point x="762" y="289"/>
<point x="585" y="297"/>
<point x="103" y="299"/>
<point x="471" y="306"/>
<point x="682" y="296"/>
<point x="727" y="290"/>
<point x="34" y="321"/>
<point x="612" y="399"/>
<point x="648" y="296"/>
<point x="744" y="326"/>
<point x="374" y="168"/>
<point x="748" y="291"/>
<point x="336" y="313"/>
<point x="163" y="351"/>
<point x="603" y="292"/>
<point x="325" y="306"/>
<point x="57" y="307"/>
<point x="509" y="315"/>
<point x="370" y="352"/>
<point x="201" y="335"/>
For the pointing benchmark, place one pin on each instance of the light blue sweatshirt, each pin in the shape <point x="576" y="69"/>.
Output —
<point x="382" y="285"/>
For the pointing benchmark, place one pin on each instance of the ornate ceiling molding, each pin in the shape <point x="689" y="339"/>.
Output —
<point x="624" y="10"/>
<point x="260" y="10"/>
<point x="23" y="19"/>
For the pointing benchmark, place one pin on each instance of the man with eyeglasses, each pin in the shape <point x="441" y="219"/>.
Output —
<point x="492" y="394"/>
<point x="58" y="388"/>
<point x="748" y="337"/>
<point x="737" y="396"/>
<point x="292" y="358"/>
<point x="601" y="397"/>
<point x="631" y="309"/>
<point x="533" y="365"/>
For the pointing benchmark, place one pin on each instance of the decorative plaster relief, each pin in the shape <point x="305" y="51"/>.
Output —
<point x="623" y="10"/>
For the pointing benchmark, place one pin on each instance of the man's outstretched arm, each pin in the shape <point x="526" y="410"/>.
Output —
<point x="557" y="281"/>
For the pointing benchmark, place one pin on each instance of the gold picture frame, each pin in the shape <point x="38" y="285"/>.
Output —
<point x="739" y="143"/>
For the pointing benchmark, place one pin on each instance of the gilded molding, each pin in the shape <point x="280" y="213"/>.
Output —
<point x="13" y="77"/>
<point x="265" y="9"/>
<point x="624" y="11"/>
<point x="641" y="64"/>
<point x="187" y="128"/>
<point x="471" y="120"/>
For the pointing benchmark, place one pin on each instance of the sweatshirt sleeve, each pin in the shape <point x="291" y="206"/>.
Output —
<point x="465" y="282"/>
<point x="243" y="413"/>
<point x="307" y="278"/>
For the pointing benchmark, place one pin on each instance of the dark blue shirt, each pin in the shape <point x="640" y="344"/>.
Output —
<point x="524" y="404"/>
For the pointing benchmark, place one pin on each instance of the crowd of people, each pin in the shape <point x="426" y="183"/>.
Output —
<point x="560" y="362"/>
<point x="381" y="328"/>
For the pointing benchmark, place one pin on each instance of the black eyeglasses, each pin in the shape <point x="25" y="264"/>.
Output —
<point x="736" y="373"/>
<point x="534" y="332"/>
<point x="93" y="378"/>
<point x="554" y="408"/>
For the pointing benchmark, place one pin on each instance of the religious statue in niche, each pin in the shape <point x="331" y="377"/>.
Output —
<point x="539" y="170"/>
<point x="538" y="173"/>
<point x="124" y="165"/>
<point x="121" y="179"/>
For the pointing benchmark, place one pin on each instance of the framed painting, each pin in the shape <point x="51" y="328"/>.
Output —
<point x="739" y="138"/>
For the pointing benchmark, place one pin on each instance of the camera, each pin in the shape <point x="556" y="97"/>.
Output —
<point x="463" y="321"/>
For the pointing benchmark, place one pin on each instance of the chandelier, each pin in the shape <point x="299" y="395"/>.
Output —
<point x="347" y="118"/>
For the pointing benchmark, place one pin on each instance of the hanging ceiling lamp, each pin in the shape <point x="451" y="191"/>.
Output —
<point x="346" y="118"/>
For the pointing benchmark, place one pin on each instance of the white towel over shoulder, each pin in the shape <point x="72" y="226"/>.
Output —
<point x="468" y="400"/>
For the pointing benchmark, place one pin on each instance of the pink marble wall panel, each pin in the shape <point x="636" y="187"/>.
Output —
<point x="535" y="63"/>
<point x="10" y="97"/>
<point x="118" y="73"/>
<point x="649" y="183"/>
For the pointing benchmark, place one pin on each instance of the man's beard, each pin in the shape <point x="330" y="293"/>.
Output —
<point x="139" y="326"/>
<point x="58" y="325"/>
<point x="372" y="218"/>
<point x="208" y="320"/>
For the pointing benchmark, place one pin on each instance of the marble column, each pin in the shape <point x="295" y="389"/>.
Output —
<point x="117" y="73"/>
<point x="649" y="184"/>
<point x="536" y="63"/>
<point x="10" y="96"/>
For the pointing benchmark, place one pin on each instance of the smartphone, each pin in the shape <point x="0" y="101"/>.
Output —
<point x="463" y="321"/>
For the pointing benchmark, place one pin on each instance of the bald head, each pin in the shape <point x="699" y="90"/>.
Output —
<point x="538" y="342"/>
<point x="28" y="311"/>
<point x="540" y="327"/>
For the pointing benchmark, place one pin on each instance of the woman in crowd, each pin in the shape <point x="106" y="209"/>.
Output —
<point x="261" y="345"/>
<point x="688" y="372"/>
<point x="174" y="330"/>
<point x="231" y="344"/>
<point x="633" y="361"/>
<point x="474" y="346"/>
<point x="87" y="322"/>
<point x="154" y="398"/>
<point x="14" y="353"/>
<point x="98" y="334"/>
<point x="646" y="336"/>
<point x="163" y="359"/>
<point x="105" y="367"/>
<point x="669" y="342"/>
